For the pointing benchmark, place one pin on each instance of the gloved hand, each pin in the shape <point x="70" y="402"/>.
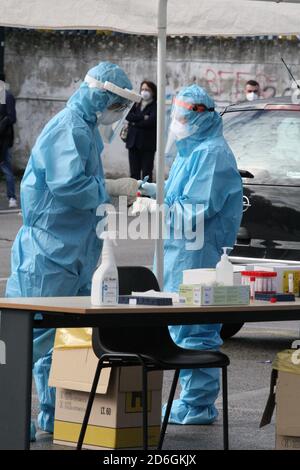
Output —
<point x="143" y="204"/>
<point x="147" y="189"/>
<point x="143" y="181"/>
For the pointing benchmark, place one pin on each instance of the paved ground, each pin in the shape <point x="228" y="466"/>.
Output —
<point x="250" y="352"/>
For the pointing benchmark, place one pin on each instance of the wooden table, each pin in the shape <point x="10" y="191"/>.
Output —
<point x="18" y="318"/>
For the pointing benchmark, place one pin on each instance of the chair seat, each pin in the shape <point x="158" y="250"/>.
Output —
<point x="179" y="359"/>
<point x="188" y="358"/>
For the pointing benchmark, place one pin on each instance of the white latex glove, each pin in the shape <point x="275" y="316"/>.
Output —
<point x="143" y="204"/>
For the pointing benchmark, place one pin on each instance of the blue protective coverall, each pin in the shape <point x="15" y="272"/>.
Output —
<point x="56" y="250"/>
<point x="204" y="172"/>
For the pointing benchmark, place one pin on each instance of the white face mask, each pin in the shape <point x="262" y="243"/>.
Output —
<point x="179" y="129"/>
<point x="251" y="96"/>
<point x="146" y="95"/>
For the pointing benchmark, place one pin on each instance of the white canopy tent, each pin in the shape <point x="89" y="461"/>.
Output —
<point x="189" y="17"/>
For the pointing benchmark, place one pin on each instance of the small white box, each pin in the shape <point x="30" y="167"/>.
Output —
<point x="207" y="277"/>
<point x="214" y="295"/>
<point x="199" y="276"/>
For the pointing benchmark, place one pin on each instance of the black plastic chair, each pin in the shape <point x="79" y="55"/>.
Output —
<point x="153" y="349"/>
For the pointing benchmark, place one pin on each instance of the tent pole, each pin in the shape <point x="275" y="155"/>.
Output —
<point x="160" y="153"/>
<point x="2" y="39"/>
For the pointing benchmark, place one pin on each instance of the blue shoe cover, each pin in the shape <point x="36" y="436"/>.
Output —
<point x="181" y="413"/>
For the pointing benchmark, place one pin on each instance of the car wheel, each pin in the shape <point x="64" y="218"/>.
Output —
<point x="230" y="329"/>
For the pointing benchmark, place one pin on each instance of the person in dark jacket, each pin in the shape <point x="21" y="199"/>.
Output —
<point x="7" y="120"/>
<point x="141" y="137"/>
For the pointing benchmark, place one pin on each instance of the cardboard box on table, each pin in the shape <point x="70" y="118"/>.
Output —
<point x="116" y="417"/>
<point x="194" y="294"/>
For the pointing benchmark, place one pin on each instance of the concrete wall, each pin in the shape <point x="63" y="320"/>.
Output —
<point x="44" y="68"/>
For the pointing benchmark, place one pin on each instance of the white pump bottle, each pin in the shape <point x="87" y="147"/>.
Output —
<point x="105" y="282"/>
<point x="224" y="269"/>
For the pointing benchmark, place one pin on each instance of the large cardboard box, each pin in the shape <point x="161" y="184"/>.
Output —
<point x="116" y="417"/>
<point x="285" y="395"/>
<point x="288" y="411"/>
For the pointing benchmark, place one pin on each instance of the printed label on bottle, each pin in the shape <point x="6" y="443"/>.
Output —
<point x="110" y="291"/>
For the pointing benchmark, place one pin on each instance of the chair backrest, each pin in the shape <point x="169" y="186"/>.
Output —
<point x="136" y="278"/>
<point x="131" y="339"/>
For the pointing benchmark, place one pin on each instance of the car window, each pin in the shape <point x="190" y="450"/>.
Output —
<point x="266" y="143"/>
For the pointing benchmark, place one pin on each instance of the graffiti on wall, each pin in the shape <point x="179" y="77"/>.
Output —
<point x="226" y="82"/>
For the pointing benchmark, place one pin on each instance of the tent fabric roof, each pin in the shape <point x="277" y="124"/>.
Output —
<point x="188" y="17"/>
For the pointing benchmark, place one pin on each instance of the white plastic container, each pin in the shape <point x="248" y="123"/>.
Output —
<point x="105" y="282"/>
<point x="199" y="276"/>
<point x="224" y="270"/>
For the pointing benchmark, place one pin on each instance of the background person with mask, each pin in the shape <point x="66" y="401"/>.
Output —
<point x="252" y="90"/>
<point x="203" y="179"/>
<point x="8" y="118"/>
<point x="141" y="136"/>
<point x="56" y="250"/>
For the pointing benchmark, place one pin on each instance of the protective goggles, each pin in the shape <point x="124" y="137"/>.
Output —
<point x="198" y="108"/>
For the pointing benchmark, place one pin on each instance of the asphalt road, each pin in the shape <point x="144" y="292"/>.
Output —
<point x="251" y="352"/>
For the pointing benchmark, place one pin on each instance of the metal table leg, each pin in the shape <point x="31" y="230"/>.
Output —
<point x="15" y="378"/>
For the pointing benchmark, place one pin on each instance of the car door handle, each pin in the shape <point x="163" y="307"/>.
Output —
<point x="246" y="174"/>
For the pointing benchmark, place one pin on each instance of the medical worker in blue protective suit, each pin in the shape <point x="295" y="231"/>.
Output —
<point x="204" y="173"/>
<point x="56" y="249"/>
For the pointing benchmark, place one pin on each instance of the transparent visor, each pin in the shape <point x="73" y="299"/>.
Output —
<point x="111" y="120"/>
<point x="183" y="123"/>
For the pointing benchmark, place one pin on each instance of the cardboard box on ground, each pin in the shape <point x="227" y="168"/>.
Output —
<point x="116" y="417"/>
<point x="288" y="411"/>
<point x="287" y="399"/>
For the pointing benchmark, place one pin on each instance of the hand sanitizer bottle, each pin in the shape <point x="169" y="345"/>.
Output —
<point x="105" y="285"/>
<point x="224" y="269"/>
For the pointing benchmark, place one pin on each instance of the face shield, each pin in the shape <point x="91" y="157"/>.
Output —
<point x="111" y="119"/>
<point x="184" y="121"/>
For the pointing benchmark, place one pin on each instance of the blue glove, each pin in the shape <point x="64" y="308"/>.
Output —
<point x="141" y="182"/>
<point x="148" y="189"/>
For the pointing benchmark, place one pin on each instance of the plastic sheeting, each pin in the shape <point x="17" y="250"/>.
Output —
<point x="73" y="338"/>
<point x="191" y="17"/>
<point x="288" y="361"/>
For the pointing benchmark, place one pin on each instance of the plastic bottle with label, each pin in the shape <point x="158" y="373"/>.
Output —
<point x="224" y="269"/>
<point x="105" y="282"/>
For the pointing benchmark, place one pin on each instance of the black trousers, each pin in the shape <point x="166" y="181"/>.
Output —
<point x="141" y="163"/>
